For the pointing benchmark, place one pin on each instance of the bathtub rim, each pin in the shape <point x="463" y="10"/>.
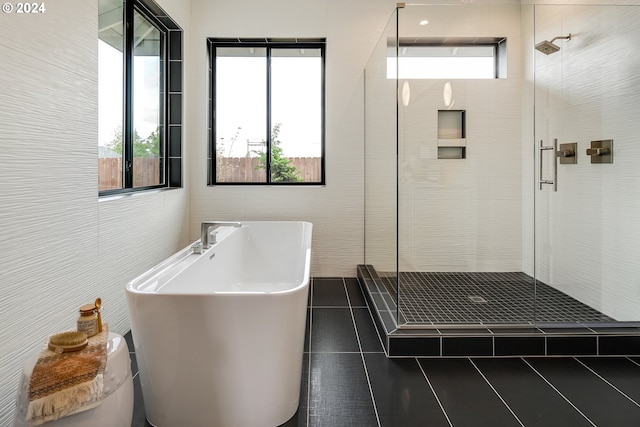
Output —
<point x="185" y="257"/>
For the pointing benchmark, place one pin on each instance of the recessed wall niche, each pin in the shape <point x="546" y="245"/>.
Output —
<point x="452" y="142"/>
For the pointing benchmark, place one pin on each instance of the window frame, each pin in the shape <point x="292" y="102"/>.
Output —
<point x="269" y="44"/>
<point x="170" y="107"/>
<point x="498" y="44"/>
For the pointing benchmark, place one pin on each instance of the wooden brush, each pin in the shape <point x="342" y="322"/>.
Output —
<point x="68" y="341"/>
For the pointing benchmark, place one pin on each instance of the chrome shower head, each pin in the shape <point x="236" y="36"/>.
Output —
<point x="547" y="47"/>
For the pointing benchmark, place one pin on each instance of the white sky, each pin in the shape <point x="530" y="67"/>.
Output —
<point x="110" y="93"/>
<point x="295" y="103"/>
<point x="109" y="99"/>
<point x="478" y="67"/>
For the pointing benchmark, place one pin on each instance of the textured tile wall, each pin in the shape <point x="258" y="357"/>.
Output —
<point x="48" y="202"/>
<point x="60" y="246"/>
<point x="588" y="234"/>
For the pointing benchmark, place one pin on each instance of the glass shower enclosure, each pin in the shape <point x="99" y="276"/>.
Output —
<point x="501" y="177"/>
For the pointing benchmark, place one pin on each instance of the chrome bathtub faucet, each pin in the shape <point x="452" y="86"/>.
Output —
<point x="205" y="229"/>
<point x="196" y="248"/>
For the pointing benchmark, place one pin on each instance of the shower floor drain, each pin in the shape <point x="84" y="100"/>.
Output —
<point x="477" y="299"/>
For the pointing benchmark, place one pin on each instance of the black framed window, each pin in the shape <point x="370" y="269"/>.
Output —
<point x="140" y="97"/>
<point x="266" y="111"/>
<point x="449" y="58"/>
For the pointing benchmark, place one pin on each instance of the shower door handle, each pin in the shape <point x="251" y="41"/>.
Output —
<point x="553" y="181"/>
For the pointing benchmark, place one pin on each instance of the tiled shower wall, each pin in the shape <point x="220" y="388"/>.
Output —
<point x="462" y="214"/>
<point x="60" y="246"/>
<point x="588" y="234"/>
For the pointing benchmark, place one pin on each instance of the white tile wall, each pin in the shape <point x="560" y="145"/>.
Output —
<point x="588" y="234"/>
<point x="48" y="206"/>
<point x="60" y="246"/>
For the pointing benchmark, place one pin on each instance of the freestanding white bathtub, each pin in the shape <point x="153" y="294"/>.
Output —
<point x="219" y="336"/>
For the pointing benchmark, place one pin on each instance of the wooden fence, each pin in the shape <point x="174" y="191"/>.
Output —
<point x="246" y="169"/>
<point x="230" y="169"/>
<point x="146" y="171"/>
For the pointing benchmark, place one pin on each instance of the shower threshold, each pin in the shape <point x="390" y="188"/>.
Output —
<point x="487" y="314"/>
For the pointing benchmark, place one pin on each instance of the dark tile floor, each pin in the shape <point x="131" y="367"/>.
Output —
<point x="348" y="381"/>
<point x="483" y="298"/>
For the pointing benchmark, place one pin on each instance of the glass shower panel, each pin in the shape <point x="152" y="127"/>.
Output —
<point x="381" y="239"/>
<point x="460" y="169"/>
<point x="510" y="200"/>
<point x="587" y="101"/>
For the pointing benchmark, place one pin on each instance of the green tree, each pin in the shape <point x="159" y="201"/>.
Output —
<point x="281" y="168"/>
<point x="148" y="147"/>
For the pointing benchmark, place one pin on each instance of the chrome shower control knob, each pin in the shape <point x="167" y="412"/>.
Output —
<point x="565" y="153"/>
<point x="597" y="151"/>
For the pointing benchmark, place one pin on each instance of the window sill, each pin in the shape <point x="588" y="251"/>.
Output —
<point x="135" y="193"/>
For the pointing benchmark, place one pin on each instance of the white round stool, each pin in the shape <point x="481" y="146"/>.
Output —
<point x="116" y="409"/>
